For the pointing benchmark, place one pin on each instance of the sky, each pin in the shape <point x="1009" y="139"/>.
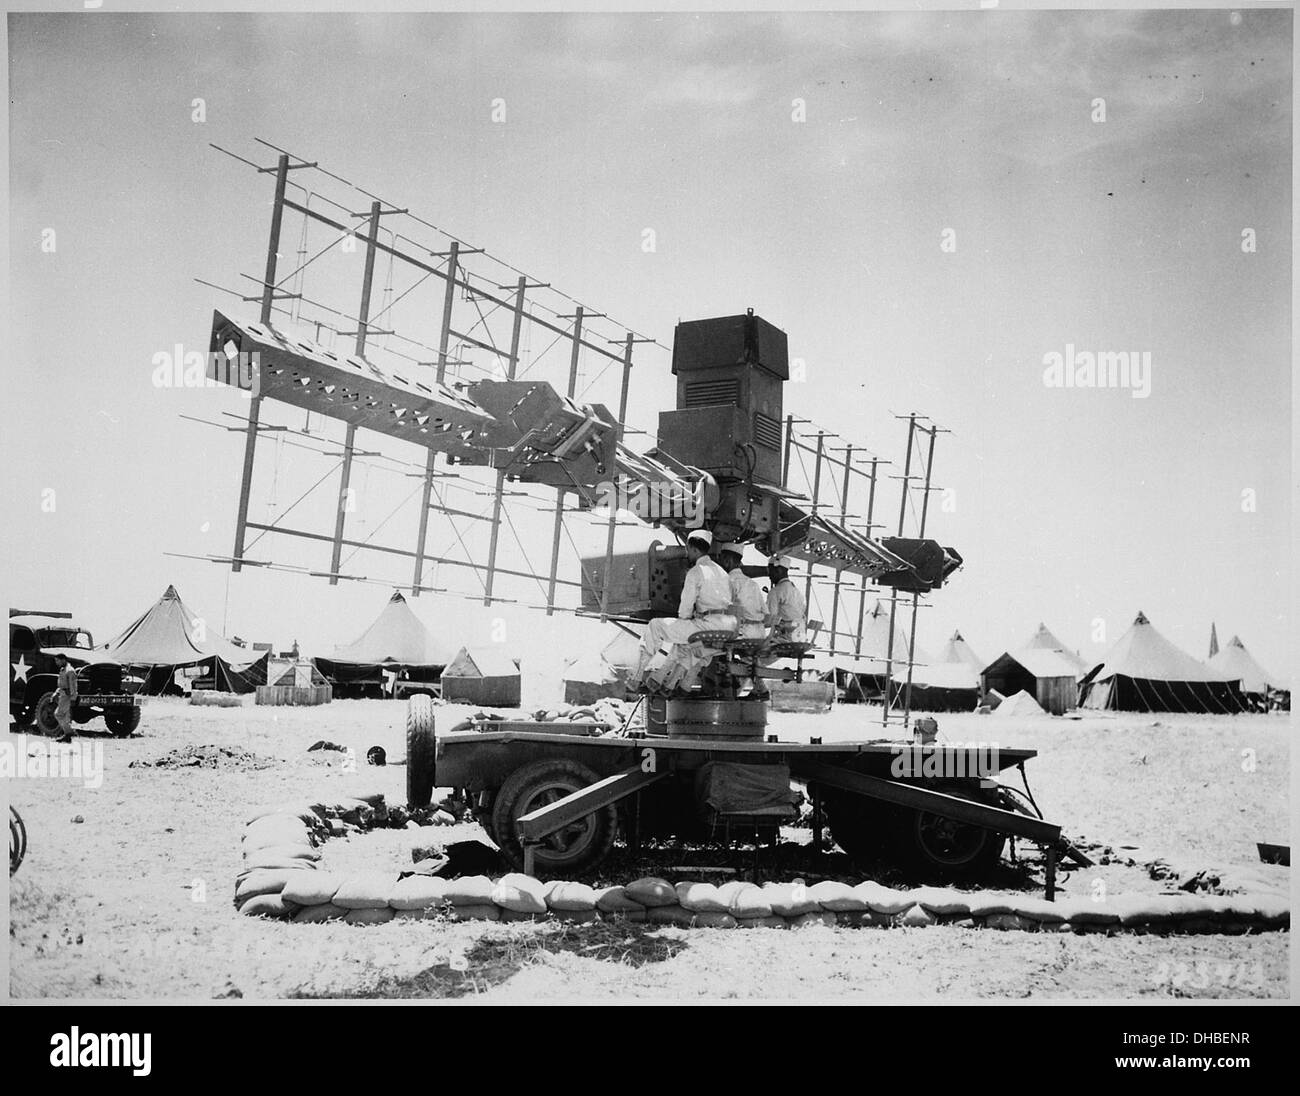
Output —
<point x="1097" y="171"/>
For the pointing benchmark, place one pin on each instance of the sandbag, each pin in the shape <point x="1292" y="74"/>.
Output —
<point x="1005" y="922"/>
<point x="824" y="918"/>
<point x="255" y="863"/>
<point x="837" y="897"/>
<point x="575" y="917"/>
<point x="670" y="915"/>
<point x="652" y="891"/>
<point x="277" y="829"/>
<point x="470" y="890"/>
<point x="520" y="893"/>
<point x="312" y="888"/>
<point x="1273" y="909"/>
<point x="1040" y="910"/>
<point x="283" y="852"/>
<point x="517" y="915"/>
<point x="1084" y="911"/>
<point x="326" y="911"/>
<point x="918" y="917"/>
<point x="789" y="899"/>
<point x="701" y="897"/>
<point x="305" y="813"/>
<point x="616" y="900"/>
<point x="863" y="919"/>
<point x="572" y="897"/>
<point x="418" y="915"/>
<point x="368" y="916"/>
<point x="771" y="921"/>
<point x="266" y="905"/>
<point x="482" y="912"/>
<point x="364" y="891"/>
<point x="883" y="899"/>
<point x="750" y="901"/>
<point x="713" y="919"/>
<point x="940" y="900"/>
<point x="264" y="881"/>
<point x="417" y="892"/>
<point x="987" y="903"/>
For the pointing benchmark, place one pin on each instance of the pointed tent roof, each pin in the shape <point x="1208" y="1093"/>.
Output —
<point x="1019" y="705"/>
<point x="1238" y="663"/>
<point x="1044" y="639"/>
<point x="958" y="650"/>
<point x="169" y="634"/>
<point x="875" y="645"/>
<point x="481" y="662"/>
<point x="1214" y="641"/>
<point x="1145" y="654"/>
<point x="396" y="637"/>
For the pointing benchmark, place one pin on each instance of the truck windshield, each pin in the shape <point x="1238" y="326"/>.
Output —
<point x="66" y="637"/>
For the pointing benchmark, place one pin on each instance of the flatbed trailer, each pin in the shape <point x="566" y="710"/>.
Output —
<point x="553" y="800"/>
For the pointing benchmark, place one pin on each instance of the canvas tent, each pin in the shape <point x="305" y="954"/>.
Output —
<point x="860" y="675"/>
<point x="1021" y="704"/>
<point x="602" y="673"/>
<point x="958" y="650"/>
<point x="485" y="675"/>
<point x="168" y="637"/>
<point x="940" y="687"/>
<point x="397" y="642"/>
<point x="1047" y="676"/>
<point x="1237" y="662"/>
<point x="1044" y="640"/>
<point x="1145" y="672"/>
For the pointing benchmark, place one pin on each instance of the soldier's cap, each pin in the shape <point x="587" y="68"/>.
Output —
<point x="734" y="549"/>
<point x="702" y="535"/>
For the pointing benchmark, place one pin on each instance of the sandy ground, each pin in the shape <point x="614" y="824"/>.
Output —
<point x="134" y="900"/>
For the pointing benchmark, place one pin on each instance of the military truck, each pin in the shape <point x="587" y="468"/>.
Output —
<point x="35" y="638"/>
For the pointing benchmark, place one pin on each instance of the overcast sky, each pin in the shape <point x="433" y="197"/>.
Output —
<point x="1069" y="505"/>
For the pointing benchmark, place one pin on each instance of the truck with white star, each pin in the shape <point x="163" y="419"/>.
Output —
<point x="35" y="639"/>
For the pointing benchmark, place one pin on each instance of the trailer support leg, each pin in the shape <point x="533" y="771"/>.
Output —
<point x="1051" y="873"/>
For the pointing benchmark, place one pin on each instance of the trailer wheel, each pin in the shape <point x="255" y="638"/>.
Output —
<point x="572" y="850"/>
<point x="421" y="750"/>
<point x="859" y="825"/>
<point x="123" y="721"/>
<point x="938" y="849"/>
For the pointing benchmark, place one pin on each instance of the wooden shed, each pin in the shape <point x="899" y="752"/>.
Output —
<point x="482" y="676"/>
<point x="1047" y="676"/>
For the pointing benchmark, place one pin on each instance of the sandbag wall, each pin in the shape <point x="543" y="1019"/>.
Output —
<point x="282" y="877"/>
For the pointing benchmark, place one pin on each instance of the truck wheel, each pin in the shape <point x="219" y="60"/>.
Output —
<point x="421" y="748"/>
<point x="938" y="849"/>
<point x="574" y="849"/>
<point x="859" y="825"/>
<point x="123" y="721"/>
<point x="44" y="717"/>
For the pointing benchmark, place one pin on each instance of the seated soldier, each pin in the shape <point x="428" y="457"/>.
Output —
<point x="746" y="595"/>
<point x="666" y="660"/>
<point x="787" y="612"/>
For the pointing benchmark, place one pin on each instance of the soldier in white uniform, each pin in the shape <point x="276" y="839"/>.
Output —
<point x="666" y="659"/>
<point x="746" y="594"/>
<point x="787" y="612"/>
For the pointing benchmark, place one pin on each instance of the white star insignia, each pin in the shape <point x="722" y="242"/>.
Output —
<point x="20" y="669"/>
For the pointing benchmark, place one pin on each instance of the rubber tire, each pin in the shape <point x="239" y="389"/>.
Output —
<point x="123" y="721"/>
<point x="916" y="859"/>
<point x="421" y="751"/>
<point x="515" y="797"/>
<point x="43" y="717"/>
<point x="861" y="826"/>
